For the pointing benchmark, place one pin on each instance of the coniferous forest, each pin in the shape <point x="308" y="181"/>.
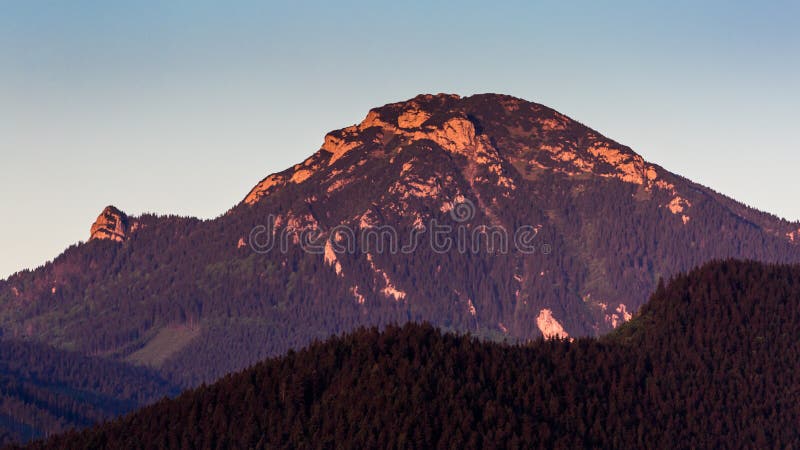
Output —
<point x="709" y="362"/>
<point x="44" y="391"/>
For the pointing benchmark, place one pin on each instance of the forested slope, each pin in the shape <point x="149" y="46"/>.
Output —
<point x="711" y="362"/>
<point x="45" y="391"/>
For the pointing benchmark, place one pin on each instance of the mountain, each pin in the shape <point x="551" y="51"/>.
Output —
<point x="44" y="391"/>
<point x="487" y="214"/>
<point x="710" y="362"/>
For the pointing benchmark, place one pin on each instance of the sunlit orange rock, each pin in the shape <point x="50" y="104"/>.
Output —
<point x="112" y="224"/>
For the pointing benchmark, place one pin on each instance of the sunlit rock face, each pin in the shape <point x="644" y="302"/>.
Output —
<point x="263" y="188"/>
<point x="502" y="138"/>
<point x="549" y="326"/>
<point x="112" y="224"/>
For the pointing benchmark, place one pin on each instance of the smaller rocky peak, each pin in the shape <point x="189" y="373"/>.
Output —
<point x="112" y="224"/>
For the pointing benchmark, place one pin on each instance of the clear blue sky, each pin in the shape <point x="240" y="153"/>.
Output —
<point x="182" y="106"/>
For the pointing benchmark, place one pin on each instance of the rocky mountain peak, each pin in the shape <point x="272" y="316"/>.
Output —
<point x="499" y="138"/>
<point x="111" y="224"/>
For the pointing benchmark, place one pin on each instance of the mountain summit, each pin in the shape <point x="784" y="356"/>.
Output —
<point x="504" y="137"/>
<point x="487" y="214"/>
<point x="500" y="137"/>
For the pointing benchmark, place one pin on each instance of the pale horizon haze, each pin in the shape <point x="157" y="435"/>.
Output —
<point x="181" y="107"/>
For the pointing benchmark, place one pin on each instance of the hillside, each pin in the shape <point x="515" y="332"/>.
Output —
<point x="324" y="246"/>
<point x="711" y="362"/>
<point x="44" y="391"/>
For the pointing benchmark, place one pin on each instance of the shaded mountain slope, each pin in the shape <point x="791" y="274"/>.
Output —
<point x="603" y="225"/>
<point x="44" y="391"/>
<point x="710" y="363"/>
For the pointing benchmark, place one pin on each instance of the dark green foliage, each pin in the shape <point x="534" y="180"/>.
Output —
<point x="712" y="362"/>
<point x="45" y="391"/>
